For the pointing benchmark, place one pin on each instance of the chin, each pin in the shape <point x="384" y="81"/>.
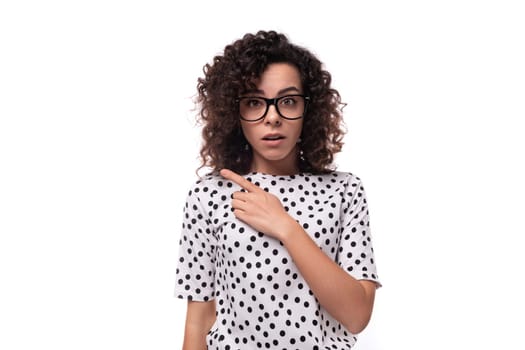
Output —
<point x="276" y="157"/>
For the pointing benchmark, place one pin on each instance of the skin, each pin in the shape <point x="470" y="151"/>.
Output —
<point x="200" y="317"/>
<point x="348" y="300"/>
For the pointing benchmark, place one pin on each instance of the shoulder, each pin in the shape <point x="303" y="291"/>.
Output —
<point x="206" y="181"/>
<point x="339" y="177"/>
<point x="347" y="183"/>
<point x="209" y="185"/>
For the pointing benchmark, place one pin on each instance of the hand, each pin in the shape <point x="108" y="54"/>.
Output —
<point x="261" y="210"/>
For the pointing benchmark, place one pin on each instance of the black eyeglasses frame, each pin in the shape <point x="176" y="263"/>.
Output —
<point x="274" y="101"/>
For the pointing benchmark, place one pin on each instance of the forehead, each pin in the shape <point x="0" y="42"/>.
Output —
<point x="278" y="76"/>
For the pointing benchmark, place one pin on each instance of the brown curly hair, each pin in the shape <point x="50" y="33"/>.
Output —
<point x="234" y="72"/>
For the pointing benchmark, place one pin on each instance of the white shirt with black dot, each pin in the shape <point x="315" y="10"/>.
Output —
<point x="261" y="298"/>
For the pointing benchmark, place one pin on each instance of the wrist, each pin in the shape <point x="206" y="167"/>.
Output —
<point x="289" y="229"/>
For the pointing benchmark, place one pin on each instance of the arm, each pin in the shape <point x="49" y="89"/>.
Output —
<point x="348" y="300"/>
<point x="200" y="317"/>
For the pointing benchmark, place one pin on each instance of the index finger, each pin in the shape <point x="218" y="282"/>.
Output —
<point x="239" y="180"/>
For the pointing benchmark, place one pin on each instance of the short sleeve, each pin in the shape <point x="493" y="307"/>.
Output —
<point x="195" y="273"/>
<point x="356" y="254"/>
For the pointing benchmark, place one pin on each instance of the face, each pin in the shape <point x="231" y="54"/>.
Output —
<point x="274" y="139"/>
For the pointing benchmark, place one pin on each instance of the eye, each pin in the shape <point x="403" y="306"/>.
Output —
<point x="288" y="101"/>
<point x="253" y="102"/>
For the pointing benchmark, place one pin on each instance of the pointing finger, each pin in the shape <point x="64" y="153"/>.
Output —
<point x="239" y="180"/>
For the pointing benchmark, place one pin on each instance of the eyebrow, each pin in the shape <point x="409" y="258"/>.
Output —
<point x="280" y="92"/>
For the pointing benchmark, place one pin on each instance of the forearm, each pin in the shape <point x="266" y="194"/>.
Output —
<point x="200" y="317"/>
<point x="194" y="338"/>
<point x="344" y="297"/>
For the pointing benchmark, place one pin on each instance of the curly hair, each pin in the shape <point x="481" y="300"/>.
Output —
<point x="234" y="72"/>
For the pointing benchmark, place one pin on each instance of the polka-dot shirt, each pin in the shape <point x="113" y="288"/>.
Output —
<point x="262" y="301"/>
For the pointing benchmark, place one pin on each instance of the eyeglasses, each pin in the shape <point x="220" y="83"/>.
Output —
<point x="289" y="107"/>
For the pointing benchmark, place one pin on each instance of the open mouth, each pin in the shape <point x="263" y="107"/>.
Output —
<point x="273" y="137"/>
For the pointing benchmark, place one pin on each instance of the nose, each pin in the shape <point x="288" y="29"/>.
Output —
<point x="272" y="117"/>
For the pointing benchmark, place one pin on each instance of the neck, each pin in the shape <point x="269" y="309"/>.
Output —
<point x="288" y="165"/>
<point x="275" y="169"/>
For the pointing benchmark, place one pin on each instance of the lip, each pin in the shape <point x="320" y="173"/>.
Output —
<point x="273" y="137"/>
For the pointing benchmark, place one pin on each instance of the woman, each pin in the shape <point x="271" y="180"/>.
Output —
<point x="275" y="250"/>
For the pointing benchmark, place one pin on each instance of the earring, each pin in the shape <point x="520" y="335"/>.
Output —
<point x="247" y="147"/>
<point x="301" y="155"/>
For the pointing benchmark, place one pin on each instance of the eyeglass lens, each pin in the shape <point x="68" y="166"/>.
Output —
<point x="254" y="108"/>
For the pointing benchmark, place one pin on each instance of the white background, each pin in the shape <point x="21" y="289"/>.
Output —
<point x="98" y="148"/>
